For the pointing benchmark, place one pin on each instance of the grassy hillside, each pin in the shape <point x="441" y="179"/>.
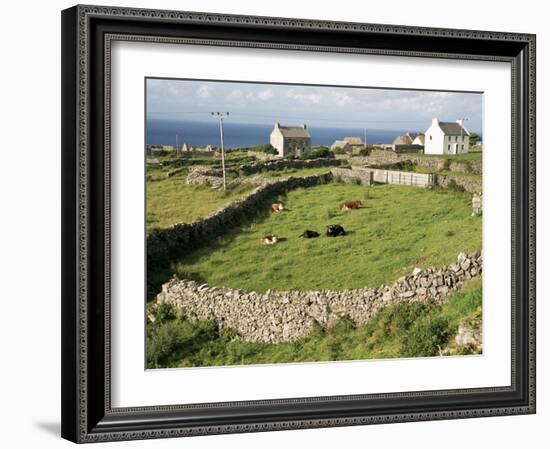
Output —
<point x="401" y="330"/>
<point x="399" y="228"/>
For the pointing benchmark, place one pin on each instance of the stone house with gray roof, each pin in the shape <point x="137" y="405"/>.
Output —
<point x="447" y="138"/>
<point x="290" y="140"/>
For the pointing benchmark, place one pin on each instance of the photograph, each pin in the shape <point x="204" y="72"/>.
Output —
<point x="300" y="223"/>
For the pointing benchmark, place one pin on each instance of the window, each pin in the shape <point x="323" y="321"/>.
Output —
<point x="430" y="137"/>
<point x="462" y="146"/>
<point x="449" y="147"/>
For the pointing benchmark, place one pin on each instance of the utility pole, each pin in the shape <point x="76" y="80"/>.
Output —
<point x="463" y="119"/>
<point x="220" y="116"/>
<point x="365" y="141"/>
<point x="177" y="143"/>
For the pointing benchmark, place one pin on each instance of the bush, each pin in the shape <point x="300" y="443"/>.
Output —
<point x="165" y="312"/>
<point x="426" y="337"/>
<point x="338" y="150"/>
<point x="366" y="150"/>
<point x="265" y="148"/>
<point x="319" y="152"/>
<point x="172" y="340"/>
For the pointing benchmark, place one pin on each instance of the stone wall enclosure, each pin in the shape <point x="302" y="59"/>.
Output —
<point x="279" y="316"/>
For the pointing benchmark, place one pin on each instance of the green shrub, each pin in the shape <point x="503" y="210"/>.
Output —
<point x="426" y="337"/>
<point x="318" y="152"/>
<point x="265" y="148"/>
<point x="165" y="312"/>
<point x="175" y="339"/>
<point x="338" y="150"/>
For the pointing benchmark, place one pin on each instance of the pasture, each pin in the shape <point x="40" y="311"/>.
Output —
<point x="398" y="228"/>
<point x="172" y="200"/>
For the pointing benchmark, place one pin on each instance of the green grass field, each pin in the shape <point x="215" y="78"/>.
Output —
<point x="400" y="330"/>
<point x="172" y="200"/>
<point x="397" y="229"/>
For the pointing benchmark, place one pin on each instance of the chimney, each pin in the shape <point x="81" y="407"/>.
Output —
<point x="303" y="125"/>
<point x="435" y="122"/>
<point x="277" y="125"/>
<point x="460" y="122"/>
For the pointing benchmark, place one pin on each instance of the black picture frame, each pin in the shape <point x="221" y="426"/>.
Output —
<point x="87" y="414"/>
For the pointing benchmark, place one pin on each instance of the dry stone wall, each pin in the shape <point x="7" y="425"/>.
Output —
<point x="280" y="316"/>
<point x="284" y="164"/>
<point x="368" y="176"/>
<point x="468" y="184"/>
<point x="385" y="157"/>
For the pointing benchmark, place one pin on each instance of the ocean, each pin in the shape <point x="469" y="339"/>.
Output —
<point x="239" y="135"/>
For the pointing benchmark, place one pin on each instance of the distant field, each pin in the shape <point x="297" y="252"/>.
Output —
<point x="399" y="228"/>
<point x="171" y="201"/>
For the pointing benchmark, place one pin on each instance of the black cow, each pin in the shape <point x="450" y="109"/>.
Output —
<point x="309" y="234"/>
<point x="335" y="230"/>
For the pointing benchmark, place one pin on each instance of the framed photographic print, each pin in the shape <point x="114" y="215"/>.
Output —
<point x="276" y="223"/>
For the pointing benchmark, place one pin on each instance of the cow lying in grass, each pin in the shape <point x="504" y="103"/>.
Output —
<point x="277" y="207"/>
<point x="348" y="205"/>
<point x="309" y="234"/>
<point x="335" y="230"/>
<point x="269" y="239"/>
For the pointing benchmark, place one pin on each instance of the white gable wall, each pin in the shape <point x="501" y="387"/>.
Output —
<point x="277" y="141"/>
<point x="435" y="139"/>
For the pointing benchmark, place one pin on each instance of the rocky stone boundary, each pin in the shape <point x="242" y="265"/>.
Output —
<point x="469" y="185"/>
<point x="280" y="316"/>
<point x="385" y="157"/>
<point x="284" y="164"/>
<point x="183" y="236"/>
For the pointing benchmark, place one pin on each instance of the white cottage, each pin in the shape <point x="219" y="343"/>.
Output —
<point x="290" y="140"/>
<point x="446" y="138"/>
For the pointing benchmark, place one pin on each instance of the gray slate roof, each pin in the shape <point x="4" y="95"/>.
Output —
<point x="294" y="132"/>
<point x="453" y="129"/>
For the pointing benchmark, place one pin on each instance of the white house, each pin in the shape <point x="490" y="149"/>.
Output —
<point x="290" y="140"/>
<point x="446" y="138"/>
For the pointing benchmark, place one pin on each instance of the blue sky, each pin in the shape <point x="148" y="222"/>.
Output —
<point x="373" y="108"/>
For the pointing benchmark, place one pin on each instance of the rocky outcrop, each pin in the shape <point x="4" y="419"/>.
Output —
<point x="279" y="316"/>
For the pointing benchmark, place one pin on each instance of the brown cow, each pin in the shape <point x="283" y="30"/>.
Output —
<point x="276" y="207"/>
<point x="348" y="205"/>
